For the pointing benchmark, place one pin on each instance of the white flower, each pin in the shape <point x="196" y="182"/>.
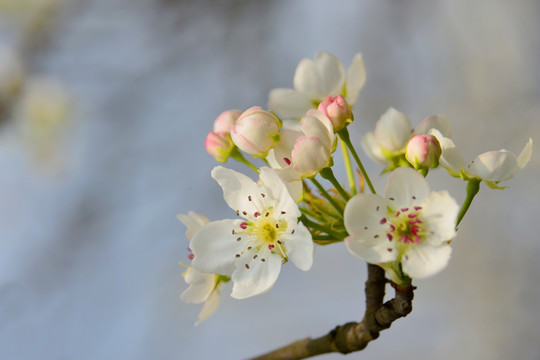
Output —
<point x="314" y="80"/>
<point x="203" y="287"/>
<point x="251" y="250"/>
<point x="492" y="167"/>
<point x="388" y="143"/>
<point x="410" y="225"/>
<point x="302" y="154"/>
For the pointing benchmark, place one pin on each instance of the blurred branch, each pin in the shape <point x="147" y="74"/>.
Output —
<point x="354" y="336"/>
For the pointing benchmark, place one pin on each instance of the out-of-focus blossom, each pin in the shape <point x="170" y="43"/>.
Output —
<point x="11" y="75"/>
<point x="314" y="80"/>
<point x="256" y="131"/>
<point x="43" y="114"/>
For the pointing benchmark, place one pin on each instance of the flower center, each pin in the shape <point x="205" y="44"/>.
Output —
<point x="405" y="226"/>
<point x="262" y="233"/>
<point x="267" y="232"/>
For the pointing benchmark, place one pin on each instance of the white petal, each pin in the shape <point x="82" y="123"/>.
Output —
<point x="272" y="160"/>
<point x="289" y="103"/>
<point x="194" y="277"/>
<point x="451" y="157"/>
<point x="367" y="240"/>
<point x="439" y="122"/>
<point x="193" y="221"/>
<point x="321" y="77"/>
<point x="373" y="252"/>
<point x="365" y="210"/>
<point x="494" y="165"/>
<point x="356" y="78"/>
<point x="282" y="150"/>
<point x="393" y="130"/>
<point x="439" y="214"/>
<point x="425" y="260"/>
<point x="405" y="187"/>
<point x="259" y="278"/>
<point x="372" y="148"/>
<point x="315" y="123"/>
<point x="215" y="247"/>
<point x="210" y="305"/>
<point x="293" y="182"/>
<point x="280" y="193"/>
<point x="309" y="156"/>
<point x="201" y="285"/>
<point x="300" y="247"/>
<point x="525" y="155"/>
<point x="237" y="188"/>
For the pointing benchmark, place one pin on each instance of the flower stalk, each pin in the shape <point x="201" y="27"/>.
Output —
<point x="344" y="135"/>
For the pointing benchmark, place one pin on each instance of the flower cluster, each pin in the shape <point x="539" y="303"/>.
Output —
<point x="282" y="215"/>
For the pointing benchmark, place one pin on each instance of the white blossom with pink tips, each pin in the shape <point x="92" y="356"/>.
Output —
<point x="410" y="225"/>
<point x="302" y="154"/>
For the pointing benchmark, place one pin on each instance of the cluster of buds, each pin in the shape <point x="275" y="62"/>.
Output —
<point x="407" y="232"/>
<point x="218" y="143"/>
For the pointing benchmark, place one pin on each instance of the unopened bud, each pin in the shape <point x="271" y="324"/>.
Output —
<point x="225" y="120"/>
<point x="337" y="110"/>
<point x="256" y="131"/>
<point x="219" y="145"/>
<point x="423" y="151"/>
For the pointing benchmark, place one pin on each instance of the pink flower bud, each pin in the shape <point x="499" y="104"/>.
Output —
<point x="256" y="131"/>
<point x="337" y="110"/>
<point x="225" y="120"/>
<point x="423" y="151"/>
<point x="219" y="145"/>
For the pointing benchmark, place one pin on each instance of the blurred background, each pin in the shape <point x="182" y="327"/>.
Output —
<point x="105" y="105"/>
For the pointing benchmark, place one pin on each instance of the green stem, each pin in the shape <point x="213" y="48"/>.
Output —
<point x="344" y="135"/>
<point x="327" y="195"/>
<point x="348" y="166"/>
<point x="334" y="234"/>
<point x="328" y="174"/>
<point x="237" y="155"/>
<point x="473" y="186"/>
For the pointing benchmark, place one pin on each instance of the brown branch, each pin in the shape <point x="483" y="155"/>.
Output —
<point x="354" y="336"/>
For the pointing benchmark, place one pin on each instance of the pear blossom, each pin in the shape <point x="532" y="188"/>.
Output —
<point x="423" y="151"/>
<point x="388" y="143"/>
<point x="337" y="110"/>
<point x="11" y="74"/>
<point x="252" y="248"/>
<point x="218" y="142"/>
<point x="302" y="154"/>
<point x="219" y="145"/>
<point x="256" y="131"/>
<point x="226" y="120"/>
<point x="492" y="167"/>
<point x="203" y="287"/>
<point x="316" y="79"/>
<point x="410" y="226"/>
